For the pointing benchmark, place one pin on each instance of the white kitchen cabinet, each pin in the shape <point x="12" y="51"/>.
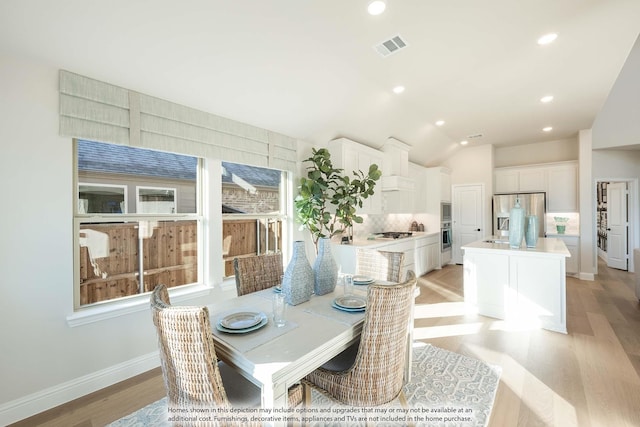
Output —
<point x="533" y="179"/>
<point x="421" y="253"/>
<point x="438" y="191"/>
<point x="558" y="180"/>
<point x="419" y="174"/>
<point x="507" y="181"/>
<point x="562" y="191"/>
<point x="573" y="244"/>
<point x="352" y="156"/>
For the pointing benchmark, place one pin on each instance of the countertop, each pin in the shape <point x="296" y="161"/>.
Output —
<point x="546" y="246"/>
<point x="359" y="242"/>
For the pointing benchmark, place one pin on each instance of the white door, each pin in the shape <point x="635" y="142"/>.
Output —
<point x="467" y="217"/>
<point x="617" y="225"/>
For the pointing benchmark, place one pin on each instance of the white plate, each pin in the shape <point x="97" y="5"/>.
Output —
<point x="350" y="302"/>
<point x="349" y="310"/>
<point x="242" y="331"/>
<point x="277" y="288"/>
<point x="241" y="320"/>
<point x="362" y="280"/>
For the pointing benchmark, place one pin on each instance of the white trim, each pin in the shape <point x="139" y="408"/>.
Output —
<point x="51" y="397"/>
<point x="131" y="305"/>
<point x="586" y="276"/>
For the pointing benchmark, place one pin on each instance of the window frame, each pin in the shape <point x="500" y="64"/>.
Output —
<point x="95" y="184"/>
<point x="147" y="187"/>
<point x="88" y="313"/>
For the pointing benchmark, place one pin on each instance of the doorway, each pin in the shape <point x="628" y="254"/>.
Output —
<point x="615" y="231"/>
<point x="468" y="217"/>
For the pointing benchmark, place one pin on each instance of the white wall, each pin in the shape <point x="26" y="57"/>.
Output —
<point x="540" y="152"/>
<point x="43" y="361"/>
<point x="618" y="123"/>
<point x="474" y="165"/>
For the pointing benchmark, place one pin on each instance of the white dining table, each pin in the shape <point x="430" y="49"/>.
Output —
<point x="276" y="358"/>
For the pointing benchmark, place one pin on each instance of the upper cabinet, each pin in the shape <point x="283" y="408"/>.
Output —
<point x="352" y="156"/>
<point x="558" y="180"/>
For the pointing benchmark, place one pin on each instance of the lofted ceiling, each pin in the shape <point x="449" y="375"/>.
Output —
<point x="308" y="68"/>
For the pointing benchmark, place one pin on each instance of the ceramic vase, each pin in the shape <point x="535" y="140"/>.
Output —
<point x="297" y="284"/>
<point x="516" y="225"/>
<point x="325" y="269"/>
<point x="531" y="233"/>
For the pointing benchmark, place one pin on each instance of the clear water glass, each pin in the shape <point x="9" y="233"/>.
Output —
<point x="279" y="310"/>
<point x="348" y="284"/>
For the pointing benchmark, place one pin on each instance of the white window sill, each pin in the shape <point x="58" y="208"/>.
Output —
<point x="132" y="305"/>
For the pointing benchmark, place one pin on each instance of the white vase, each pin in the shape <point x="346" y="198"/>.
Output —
<point x="325" y="269"/>
<point x="297" y="284"/>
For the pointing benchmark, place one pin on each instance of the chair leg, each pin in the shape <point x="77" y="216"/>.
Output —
<point x="403" y="402"/>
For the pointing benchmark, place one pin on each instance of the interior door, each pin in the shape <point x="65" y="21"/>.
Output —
<point x="617" y="253"/>
<point x="467" y="218"/>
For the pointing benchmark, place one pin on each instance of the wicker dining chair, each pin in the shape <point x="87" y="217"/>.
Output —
<point x="376" y="376"/>
<point x="257" y="272"/>
<point x="191" y="370"/>
<point x="380" y="265"/>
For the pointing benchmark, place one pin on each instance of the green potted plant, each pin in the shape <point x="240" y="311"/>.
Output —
<point x="327" y="199"/>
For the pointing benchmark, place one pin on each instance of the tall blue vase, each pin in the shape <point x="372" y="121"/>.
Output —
<point x="325" y="269"/>
<point x="297" y="284"/>
<point x="531" y="233"/>
<point x="516" y="225"/>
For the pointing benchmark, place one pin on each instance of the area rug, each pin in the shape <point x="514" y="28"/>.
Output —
<point x="447" y="389"/>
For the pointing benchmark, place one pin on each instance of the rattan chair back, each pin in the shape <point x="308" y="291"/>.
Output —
<point x="377" y="375"/>
<point x="380" y="265"/>
<point x="258" y="272"/>
<point x="187" y="354"/>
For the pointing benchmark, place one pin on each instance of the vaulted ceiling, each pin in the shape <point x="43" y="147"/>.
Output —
<point x="308" y="68"/>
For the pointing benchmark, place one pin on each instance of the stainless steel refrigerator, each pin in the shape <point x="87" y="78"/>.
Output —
<point x="532" y="203"/>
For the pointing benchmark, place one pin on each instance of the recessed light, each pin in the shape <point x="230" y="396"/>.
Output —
<point x="465" y="142"/>
<point x="440" y="123"/>
<point x="547" y="98"/>
<point x="547" y="129"/>
<point x="547" y="38"/>
<point x="398" y="89"/>
<point x="376" y="7"/>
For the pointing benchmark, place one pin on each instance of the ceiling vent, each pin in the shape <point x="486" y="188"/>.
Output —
<point x="391" y="46"/>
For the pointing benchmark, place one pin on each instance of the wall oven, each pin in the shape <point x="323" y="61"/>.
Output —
<point x="445" y="212"/>
<point x="446" y="238"/>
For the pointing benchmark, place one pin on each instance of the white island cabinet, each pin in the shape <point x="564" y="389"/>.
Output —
<point x="524" y="284"/>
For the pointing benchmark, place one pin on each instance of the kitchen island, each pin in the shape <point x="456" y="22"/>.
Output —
<point x="522" y="284"/>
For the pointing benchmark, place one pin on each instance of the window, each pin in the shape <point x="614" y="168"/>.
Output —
<point x="254" y="210"/>
<point x="138" y="221"/>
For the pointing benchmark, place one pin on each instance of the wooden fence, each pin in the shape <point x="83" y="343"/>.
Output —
<point x="169" y="256"/>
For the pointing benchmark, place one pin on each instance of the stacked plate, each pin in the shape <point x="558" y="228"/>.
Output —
<point x="350" y="303"/>
<point x="362" y="280"/>
<point x="242" y="322"/>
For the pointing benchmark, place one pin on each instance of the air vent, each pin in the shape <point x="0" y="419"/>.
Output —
<point x="477" y="135"/>
<point x="391" y="46"/>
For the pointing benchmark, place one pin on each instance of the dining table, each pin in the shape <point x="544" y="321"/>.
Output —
<point x="275" y="358"/>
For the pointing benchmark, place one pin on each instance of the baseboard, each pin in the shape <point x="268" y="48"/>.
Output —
<point x="586" y="276"/>
<point x="51" y="397"/>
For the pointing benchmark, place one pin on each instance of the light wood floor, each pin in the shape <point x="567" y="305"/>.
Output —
<point x="589" y="377"/>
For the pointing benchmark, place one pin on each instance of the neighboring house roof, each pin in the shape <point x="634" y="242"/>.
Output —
<point x="121" y="159"/>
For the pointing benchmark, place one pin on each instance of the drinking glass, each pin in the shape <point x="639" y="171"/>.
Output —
<point x="279" y="310"/>
<point x="348" y="284"/>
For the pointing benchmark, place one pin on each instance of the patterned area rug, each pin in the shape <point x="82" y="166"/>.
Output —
<point x="447" y="389"/>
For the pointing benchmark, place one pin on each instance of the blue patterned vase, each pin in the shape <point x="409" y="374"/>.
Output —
<point x="325" y="269"/>
<point x="531" y="234"/>
<point x="516" y="225"/>
<point x="297" y="284"/>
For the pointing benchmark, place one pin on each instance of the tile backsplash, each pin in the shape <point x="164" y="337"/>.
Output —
<point x="389" y="222"/>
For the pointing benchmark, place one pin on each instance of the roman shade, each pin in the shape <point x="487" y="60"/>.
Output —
<point x="98" y="111"/>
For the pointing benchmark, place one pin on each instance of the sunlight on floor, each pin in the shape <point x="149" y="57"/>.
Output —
<point x="548" y="406"/>
<point x="443" y="309"/>
<point x="446" y="330"/>
<point x="440" y="290"/>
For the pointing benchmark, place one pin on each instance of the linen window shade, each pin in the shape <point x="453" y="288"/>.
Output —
<point x="99" y="111"/>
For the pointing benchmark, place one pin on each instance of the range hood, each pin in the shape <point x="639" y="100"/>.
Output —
<point x="396" y="167"/>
